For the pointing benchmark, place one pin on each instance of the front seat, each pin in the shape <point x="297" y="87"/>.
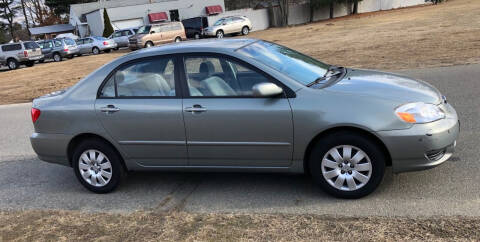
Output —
<point x="206" y="70"/>
<point x="218" y="87"/>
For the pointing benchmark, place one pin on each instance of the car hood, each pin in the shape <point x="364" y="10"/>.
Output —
<point x="386" y="86"/>
<point x="137" y="36"/>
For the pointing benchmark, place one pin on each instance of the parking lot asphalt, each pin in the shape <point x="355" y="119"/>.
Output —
<point x="451" y="189"/>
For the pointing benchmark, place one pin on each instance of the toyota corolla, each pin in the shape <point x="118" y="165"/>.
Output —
<point x="243" y="105"/>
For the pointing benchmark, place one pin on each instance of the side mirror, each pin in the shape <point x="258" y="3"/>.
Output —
<point x="266" y="89"/>
<point x="152" y="32"/>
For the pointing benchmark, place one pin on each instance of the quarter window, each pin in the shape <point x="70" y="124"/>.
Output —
<point x="146" y="78"/>
<point x="218" y="76"/>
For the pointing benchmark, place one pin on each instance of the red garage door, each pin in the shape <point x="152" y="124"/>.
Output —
<point x="211" y="10"/>
<point x="157" y="17"/>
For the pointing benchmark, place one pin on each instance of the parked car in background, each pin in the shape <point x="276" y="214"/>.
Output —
<point x="95" y="45"/>
<point x="229" y="25"/>
<point x="157" y="34"/>
<point x="194" y="27"/>
<point x="58" y="48"/>
<point x="243" y="105"/>
<point x="121" y="36"/>
<point x="22" y="53"/>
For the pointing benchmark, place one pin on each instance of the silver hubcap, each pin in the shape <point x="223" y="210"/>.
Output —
<point x="177" y="40"/>
<point x="149" y="44"/>
<point x="219" y="35"/>
<point x="245" y="31"/>
<point x="56" y="57"/>
<point x="95" y="168"/>
<point x="95" y="51"/>
<point x="12" y="65"/>
<point x="346" y="168"/>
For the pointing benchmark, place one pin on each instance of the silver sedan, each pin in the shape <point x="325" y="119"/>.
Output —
<point x="95" y="45"/>
<point x="243" y="105"/>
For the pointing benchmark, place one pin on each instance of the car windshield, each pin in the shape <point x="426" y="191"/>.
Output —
<point x="219" y="22"/>
<point x="31" y="45"/>
<point x="294" y="64"/>
<point x="144" y="29"/>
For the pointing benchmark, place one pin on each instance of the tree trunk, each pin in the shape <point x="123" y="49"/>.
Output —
<point x="355" y="6"/>
<point x="331" y="9"/>
<point x="311" y="13"/>
<point x="26" y="19"/>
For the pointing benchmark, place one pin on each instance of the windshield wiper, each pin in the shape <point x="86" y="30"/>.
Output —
<point x="332" y="71"/>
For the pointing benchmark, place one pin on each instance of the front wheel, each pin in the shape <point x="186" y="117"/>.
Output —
<point x="97" y="166"/>
<point x="347" y="165"/>
<point x="12" y="64"/>
<point x="148" y="44"/>
<point x="220" y="34"/>
<point x="178" y="39"/>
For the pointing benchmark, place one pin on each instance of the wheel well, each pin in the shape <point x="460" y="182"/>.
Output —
<point x="350" y="129"/>
<point x="220" y="30"/>
<point x="246" y="26"/>
<point x="11" y="58"/>
<point x="81" y="137"/>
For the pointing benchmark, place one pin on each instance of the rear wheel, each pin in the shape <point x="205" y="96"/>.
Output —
<point x="96" y="50"/>
<point x="220" y="34"/>
<point x="12" y="64"/>
<point x="30" y="63"/>
<point x="97" y="166"/>
<point x="245" y="30"/>
<point x="178" y="39"/>
<point x="196" y="36"/>
<point x="57" y="57"/>
<point x="347" y="165"/>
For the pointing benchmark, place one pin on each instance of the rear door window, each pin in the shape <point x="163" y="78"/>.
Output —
<point x="146" y="78"/>
<point x="11" y="47"/>
<point x="57" y="43"/>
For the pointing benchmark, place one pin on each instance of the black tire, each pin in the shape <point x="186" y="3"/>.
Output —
<point x="117" y="171"/>
<point x="245" y="30"/>
<point x="78" y="55"/>
<point x="116" y="48"/>
<point x="12" y="64"/>
<point x="30" y="63"/>
<point x="107" y="51"/>
<point x="219" y="34"/>
<point x="366" y="144"/>
<point x="178" y="39"/>
<point x="57" y="57"/>
<point x="197" y="36"/>
<point x="95" y="50"/>
<point x="41" y="60"/>
<point x="149" y="44"/>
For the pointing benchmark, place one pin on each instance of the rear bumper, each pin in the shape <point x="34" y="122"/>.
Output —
<point x="423" y="146"/>
<point x="107" y="47"/>
<point x="51" y="147"/>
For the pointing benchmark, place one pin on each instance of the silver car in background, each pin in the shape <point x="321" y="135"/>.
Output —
<point x="229" y="25"/>
<point x="22" y="53"/>
<point x="121" y="36"/>
<point x="95" y="45"/>
<point x="243" y="105"/>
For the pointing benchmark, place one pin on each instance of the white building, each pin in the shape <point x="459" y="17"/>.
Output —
<point x="88" y="17"/>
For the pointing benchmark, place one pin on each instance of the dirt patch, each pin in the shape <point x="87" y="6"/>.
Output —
<point x="181" y="226"/>
<point x="428" y="36"/>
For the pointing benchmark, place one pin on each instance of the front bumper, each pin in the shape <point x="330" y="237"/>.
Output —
<point x="51" y="147"/>
<point x="422" y="146"/>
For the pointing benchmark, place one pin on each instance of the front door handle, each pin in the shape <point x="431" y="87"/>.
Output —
<point x="195" y="109"/>
<point x="109" y="109"/>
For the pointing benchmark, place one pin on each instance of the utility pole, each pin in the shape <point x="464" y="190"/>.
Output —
<point x="26" y="19"/>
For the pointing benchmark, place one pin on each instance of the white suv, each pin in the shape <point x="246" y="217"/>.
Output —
<point x="229" y="25"/>
<point x="22" y="53"/>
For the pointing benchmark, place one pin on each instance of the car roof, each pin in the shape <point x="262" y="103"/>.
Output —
<point x="204" y="45"/>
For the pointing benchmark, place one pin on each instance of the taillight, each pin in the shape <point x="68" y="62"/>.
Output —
<point x="105" y="43"/>
<point x="25" y="53"/>
<point x="35" y="114"/>
<point x="66" y="50"/>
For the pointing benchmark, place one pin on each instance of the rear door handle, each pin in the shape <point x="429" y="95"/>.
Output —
<point x="195" y="109"/>
<point x="109" y="109"/>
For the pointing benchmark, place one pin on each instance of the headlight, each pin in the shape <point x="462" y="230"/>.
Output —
<point x="419" y="113"/>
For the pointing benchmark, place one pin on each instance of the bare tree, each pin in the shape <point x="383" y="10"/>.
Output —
<point x="284" y="12"/>
<point x="8" y="10"/>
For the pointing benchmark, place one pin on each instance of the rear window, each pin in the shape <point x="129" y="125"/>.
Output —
<point x="99" y="38"/>
<point x="11" y="47"/>
<point x="31" y="45"/>
<point x="69" y="42"/>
